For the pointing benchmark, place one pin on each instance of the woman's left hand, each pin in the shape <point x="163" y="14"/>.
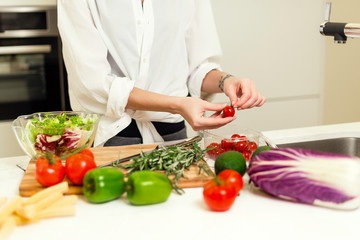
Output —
<point x="243" y="93"/>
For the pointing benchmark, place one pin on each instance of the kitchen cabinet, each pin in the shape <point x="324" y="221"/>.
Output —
<point x="27" y="3"/>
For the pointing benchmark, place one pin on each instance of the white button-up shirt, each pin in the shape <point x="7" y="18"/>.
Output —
<point x="109" y="47"/>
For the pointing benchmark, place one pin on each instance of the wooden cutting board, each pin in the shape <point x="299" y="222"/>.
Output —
<point x="30" y="186"/>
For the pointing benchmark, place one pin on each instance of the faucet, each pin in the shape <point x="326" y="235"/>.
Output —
<point x="340" y="31"/>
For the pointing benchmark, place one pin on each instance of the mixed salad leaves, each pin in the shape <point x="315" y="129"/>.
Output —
<point x="60" y="134"/>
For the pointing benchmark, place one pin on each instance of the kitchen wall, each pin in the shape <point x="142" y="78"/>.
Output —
<point x="277" y="44"/>
<point x="342" y="71"/>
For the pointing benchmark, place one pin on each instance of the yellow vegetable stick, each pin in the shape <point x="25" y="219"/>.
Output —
<point x="10" y="208"/>
<point x="31" y="211"/>
<point x="7" y="226"/>
<point x="53" y="211"/>
<point x="66" y="200"/>
<point x="63" y="207"/>
<point x="19" y="220"/>
<point x="3" y="200"/>
<point x="58" y="188"/>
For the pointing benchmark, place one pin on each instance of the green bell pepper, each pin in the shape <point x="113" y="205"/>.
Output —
<point x="103" y="184"/>
<point x="147" y="187"/>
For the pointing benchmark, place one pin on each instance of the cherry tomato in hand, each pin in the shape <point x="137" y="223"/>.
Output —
<point x="219" y="195"/>
<point x="78" y="165"/>
<point x="49" y="172"/>
<point x="228" y="111"/>
<point x="232" y="177"/>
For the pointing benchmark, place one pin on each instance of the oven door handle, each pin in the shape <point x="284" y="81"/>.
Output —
<point x="25" y="49"/>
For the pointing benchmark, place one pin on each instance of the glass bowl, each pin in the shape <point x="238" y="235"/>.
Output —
<point x="231" y="138"/>
<point x="57" y="133"/>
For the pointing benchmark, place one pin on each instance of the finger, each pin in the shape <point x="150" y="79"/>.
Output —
<point x="252" y="102"/>
<point x="211" y="123"/>
<point x="247" y="101"/>
<point x="233" y="98"/>
<point x="214" y="107"/>
<point x="263" y="100"/>
<point x="246" y="94"/>
<point x="259" y="102"/>
<point x="216" y="115"/>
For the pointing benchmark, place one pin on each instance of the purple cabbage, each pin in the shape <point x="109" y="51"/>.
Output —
<point x="306" y="176"/>
<point x="57" y="144"/>
<point x="69" y="140"/>
<point x="46" y="143"/>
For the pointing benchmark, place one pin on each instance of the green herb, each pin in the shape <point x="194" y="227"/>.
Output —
<point x="174" y="160"/>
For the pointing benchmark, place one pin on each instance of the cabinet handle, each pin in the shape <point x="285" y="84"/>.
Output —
<point x="25" y="49"/>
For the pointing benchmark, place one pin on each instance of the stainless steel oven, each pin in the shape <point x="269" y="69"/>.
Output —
<point x="32" y="76"/>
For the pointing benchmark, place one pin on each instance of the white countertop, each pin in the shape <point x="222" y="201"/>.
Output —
<point x="253" y="216"/>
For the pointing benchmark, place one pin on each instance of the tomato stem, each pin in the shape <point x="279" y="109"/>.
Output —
<point x="218" y="181"/>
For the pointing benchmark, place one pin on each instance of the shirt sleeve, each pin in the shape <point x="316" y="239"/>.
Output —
<point x="93" y="86"/>
<point x="203" y="45"/>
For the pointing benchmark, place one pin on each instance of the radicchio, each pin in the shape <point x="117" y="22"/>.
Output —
<point x="69" y="140"/>
<point x="46" y="143"/>
<point x="311" y="177"/>
<point x="57" y="144"/>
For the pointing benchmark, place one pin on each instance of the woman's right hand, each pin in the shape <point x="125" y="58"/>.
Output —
<point x="193" y="109"/>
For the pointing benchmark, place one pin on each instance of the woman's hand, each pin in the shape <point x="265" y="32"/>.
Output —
<point x="243" y="93"/>
<point x="193" y="109"/>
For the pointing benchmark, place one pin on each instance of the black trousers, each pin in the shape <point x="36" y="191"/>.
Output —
<point x="131" y="134"/>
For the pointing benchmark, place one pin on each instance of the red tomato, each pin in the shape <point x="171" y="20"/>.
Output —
<point x="215" y="151"/>
<point x="228" y="111"/>
<point x="232" y="177"/>
<point x="227" y="144"/>
<point x="240" y="146"/>
<point x="235" y="136"/>
<point x="251" y="147"/>
<point x="219" y="196"/>
<point x="78" y="165"/>
<point x="49" y="171"/>
<point x="87" y="152"/>
<point x="247" y="155"/>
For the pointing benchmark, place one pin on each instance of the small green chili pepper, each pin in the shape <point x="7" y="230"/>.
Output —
<point x="103" y="184"/>
<point x="147" y="187"/>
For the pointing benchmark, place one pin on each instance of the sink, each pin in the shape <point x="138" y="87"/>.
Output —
<point x="344" y="145"/>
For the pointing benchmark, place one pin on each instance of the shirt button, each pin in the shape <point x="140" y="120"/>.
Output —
<point x="145" y="60"/>
<point x="139" y="22"/>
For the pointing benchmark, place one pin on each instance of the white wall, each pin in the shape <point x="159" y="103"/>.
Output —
<point x="277" y="44"/>
<point x="8" y="143"/>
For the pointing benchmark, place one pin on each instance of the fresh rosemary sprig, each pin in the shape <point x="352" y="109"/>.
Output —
<point x="174" y="160"/>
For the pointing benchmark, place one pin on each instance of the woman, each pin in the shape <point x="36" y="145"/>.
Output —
<point x="144" y="65"/>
